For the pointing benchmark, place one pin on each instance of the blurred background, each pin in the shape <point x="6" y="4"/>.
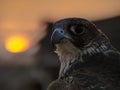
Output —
<point x="27" y="58"/>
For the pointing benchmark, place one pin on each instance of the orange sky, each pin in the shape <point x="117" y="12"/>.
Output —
<point x="34" y="9"/>
<point x="22" y="16"/>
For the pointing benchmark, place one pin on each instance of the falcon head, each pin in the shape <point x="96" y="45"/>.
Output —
<point x="76" y="35"/>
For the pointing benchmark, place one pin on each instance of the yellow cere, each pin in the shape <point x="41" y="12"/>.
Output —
<point x="17" y="44"/>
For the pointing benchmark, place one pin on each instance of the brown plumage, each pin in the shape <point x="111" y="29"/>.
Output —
<point x="88" y="60"/>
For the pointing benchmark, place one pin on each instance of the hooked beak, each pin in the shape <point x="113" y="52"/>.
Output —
<point x="57" y="36"/>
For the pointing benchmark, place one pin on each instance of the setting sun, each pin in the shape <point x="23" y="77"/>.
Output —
<point x="17" y="44"/>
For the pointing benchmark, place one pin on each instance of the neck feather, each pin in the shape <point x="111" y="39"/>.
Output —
<point x="95" y="49"/>
<point x="71" y="54"/>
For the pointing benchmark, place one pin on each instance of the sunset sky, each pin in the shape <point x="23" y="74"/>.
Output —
<point x="21" y="17"/>
<point x="34" y="9"/>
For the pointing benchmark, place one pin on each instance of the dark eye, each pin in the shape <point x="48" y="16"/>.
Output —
<point x="77" y="30"/>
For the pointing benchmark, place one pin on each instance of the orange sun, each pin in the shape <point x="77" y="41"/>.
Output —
<point x="17" y="44"/>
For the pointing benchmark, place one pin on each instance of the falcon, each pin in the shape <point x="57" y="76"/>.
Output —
<point x="88" y="60"/>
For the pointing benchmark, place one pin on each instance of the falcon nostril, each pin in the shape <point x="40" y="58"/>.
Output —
<point x="61" y="31"/>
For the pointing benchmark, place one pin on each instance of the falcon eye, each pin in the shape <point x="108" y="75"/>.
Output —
<point x="77" y="30"/>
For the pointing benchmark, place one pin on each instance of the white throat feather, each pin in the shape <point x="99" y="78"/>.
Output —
<point x="67" y="53"/>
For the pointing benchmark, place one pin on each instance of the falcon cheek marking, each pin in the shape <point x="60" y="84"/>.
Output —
<point x="94" y="49"/>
